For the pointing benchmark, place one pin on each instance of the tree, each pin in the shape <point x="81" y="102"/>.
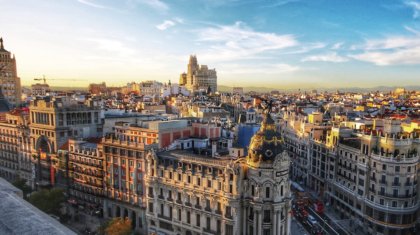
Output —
<point x="21" y="184"/>
<point x="48" y="201"/>
<point x="117" y="226"/>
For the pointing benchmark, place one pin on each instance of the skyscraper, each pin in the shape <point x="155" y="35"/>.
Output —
<point x="199" y="77"/>
<point x="9" y="81"/>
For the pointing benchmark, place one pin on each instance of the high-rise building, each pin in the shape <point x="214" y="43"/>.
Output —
<point x="199" y="77"/>
<point x="9" y="81"/>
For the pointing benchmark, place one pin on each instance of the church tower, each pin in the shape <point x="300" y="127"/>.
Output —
<point x="267" y="189"/>
<point x="9" y="81"/>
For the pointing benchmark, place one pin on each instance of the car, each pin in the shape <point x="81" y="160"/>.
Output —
<point x="311" y="221"/>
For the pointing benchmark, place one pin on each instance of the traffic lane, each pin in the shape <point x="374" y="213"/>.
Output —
<point x="331" y="228"/>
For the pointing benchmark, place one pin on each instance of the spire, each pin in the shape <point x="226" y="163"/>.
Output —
<point x="1" y="43"/>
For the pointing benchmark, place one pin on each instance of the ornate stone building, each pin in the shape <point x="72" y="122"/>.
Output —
<point x="192" y="193"/>
<point x="52" y="122"/>
<point x="9" y="81"/>
<point x="199" y="77"/>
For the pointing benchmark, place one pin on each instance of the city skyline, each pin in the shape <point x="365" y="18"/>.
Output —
<point x="279" y="44"/>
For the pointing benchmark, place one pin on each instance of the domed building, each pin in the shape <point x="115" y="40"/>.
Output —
<point x="267" y="197"/>
<point x="191" y="194"/>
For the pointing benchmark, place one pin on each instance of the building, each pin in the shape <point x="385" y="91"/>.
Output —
<point x="86" y="173"/>
<point x="199" y="77"/>
<point x="9" y="81"/>
<point x="124" y="177"/>
<point x="367" y="171"/>
<point x="40" y="89"/>
<point x="150" y="88"/>
<point x="211" y="190"/>
<point x="376" y="181"/>
<point x="97" y="88"/>
<point x="15" y="151"/>
<point x="52" y="122"/>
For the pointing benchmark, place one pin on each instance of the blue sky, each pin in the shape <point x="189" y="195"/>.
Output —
<point x="272" y="43"/>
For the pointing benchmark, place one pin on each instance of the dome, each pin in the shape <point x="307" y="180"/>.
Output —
<point x="266" y="144"/>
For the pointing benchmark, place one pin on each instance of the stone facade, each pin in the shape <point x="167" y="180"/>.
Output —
<point x="9" y="81"/>
<point x="199" y="77"/>
<point x="190" y="193"/>
<point x="15" y="152"/>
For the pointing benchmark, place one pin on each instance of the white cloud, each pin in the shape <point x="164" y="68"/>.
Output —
<point x="391" y="50"/>
<point x="337" y="45"/>
<point x="415" y="6"/>
<point x="239" y="41"/>
<point x="330" y="57"/>
<point x="91" y="4"/>
<point x="155" y="4"/>
<point x="165" y="25"/>
<point x="117" y="48"/>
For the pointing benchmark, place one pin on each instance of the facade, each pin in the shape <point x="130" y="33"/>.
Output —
<point x="376" y="182"/>
<point x="86" y="173"/>
<point x="15" y="153"/>
<point x="199" y="77"/>
<point x="367" y="175"/>
<point x="97" y="88"/>
<point x="124" y="177"/>
<point x="40" y="89"/>
<point x="150" y="88"/>
<point x="193" y="193"/>
<point x="9" y="81"/>
<point x="52" y="122"/>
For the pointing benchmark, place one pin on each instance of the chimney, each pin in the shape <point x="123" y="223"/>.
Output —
<point x="213" y="148"/>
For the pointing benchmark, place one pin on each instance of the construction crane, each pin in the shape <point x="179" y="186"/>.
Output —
<point x="45" y="79"/>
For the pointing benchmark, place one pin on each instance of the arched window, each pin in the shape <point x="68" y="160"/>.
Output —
<point x="267" y="192"/>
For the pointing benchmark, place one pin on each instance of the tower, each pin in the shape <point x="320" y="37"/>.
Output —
<point x="267" y="188"/>
<point x="9" y="81"/>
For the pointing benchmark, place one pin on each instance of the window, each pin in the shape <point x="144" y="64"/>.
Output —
<point x="197" y="219"/>
<point x="267" y="216"/>
<point x="218" y="226"/>
<point x="229" y="229"/>
<point x="162" y="209"/>
<point x="228" y="211"/>
<point x="383" y="167"/>
<point x="252" y="190"/>
<point x="231" y="177"/>
<point x="179" y="177"/>
<point x="179" y="215"/>
<point x="188" y="217"/>
<point x="209" y="183"/>
<point x="230" y="188"/>
<point x="397" y="168"/>
<point x="267" y="192"/>
<point x="208" y="223"/>
<point x="151" y="207"/>
<point x="198" y="181"/>
<point x="189" y="179"/>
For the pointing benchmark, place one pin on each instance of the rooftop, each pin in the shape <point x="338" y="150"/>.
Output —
<point x="20" y="217"/>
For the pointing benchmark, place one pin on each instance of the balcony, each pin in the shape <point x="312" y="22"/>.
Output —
<point x="396" y="183"/>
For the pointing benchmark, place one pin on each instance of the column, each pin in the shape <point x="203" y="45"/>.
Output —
<point x="275" y="223"/>
<point x="244" y="219"/>
<point x="259" y="221"/>
<point x="255" y="222"/>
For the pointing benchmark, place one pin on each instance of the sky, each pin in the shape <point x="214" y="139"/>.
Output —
<point x="263" y="43"/>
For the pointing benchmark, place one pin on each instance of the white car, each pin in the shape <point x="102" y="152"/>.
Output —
<point x="311" y="220"/>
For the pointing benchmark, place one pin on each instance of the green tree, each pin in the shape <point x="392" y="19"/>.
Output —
<point x="21" y="184"/>
<point x="48" y="201"/>
<point x="116" y="226"/>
